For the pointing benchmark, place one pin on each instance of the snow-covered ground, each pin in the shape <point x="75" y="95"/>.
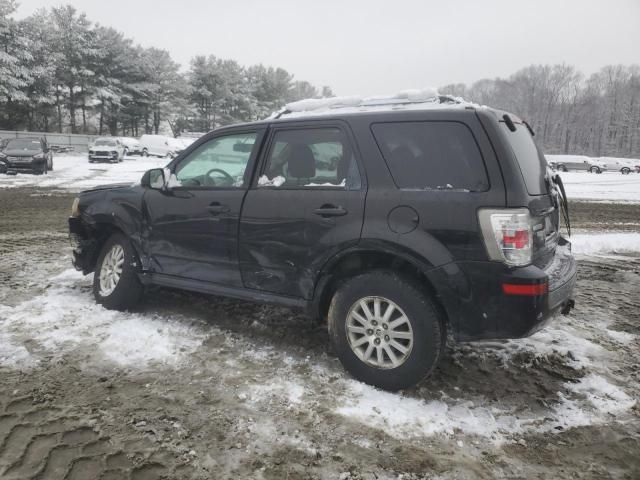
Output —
<point x="75" y="173"/>
<point x="65" y="320"/>
<point x="606" y="187"/>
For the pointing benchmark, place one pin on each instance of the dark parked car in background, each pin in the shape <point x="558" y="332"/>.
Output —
<point x="26" y="154"/>
<point x="395" y="223"/>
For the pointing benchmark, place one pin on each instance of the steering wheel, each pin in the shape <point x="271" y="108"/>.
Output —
<point x="227" y="177"/>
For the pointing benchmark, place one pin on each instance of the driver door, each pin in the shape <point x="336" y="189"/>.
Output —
<point x="192" y="226"/>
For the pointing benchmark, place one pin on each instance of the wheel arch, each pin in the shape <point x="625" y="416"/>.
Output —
<point x="352" y="261"/>
<point x="101" y="228"/>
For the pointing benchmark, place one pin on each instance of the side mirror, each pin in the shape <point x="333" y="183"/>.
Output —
<point x="154" y="179"/>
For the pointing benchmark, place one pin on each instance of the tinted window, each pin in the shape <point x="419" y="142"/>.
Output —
<point x="220" y="162"/>
<point x="24" y="144"/>
<point x="311" y="158"/>
<point x="432" y="155"/>
<point x="532" y="163"/>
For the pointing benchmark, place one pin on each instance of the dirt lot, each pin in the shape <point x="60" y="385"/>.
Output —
<point x="200" y="387"/>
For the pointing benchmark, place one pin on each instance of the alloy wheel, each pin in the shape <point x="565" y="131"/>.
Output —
<point x="379" y="332"/>
<point x="111" y="270"/>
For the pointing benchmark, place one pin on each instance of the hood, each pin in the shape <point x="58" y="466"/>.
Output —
<point x="21" y="152"/>
<point x="110" y="186"/>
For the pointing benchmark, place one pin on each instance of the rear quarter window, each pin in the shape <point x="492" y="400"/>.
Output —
<point x="432" y="156"/>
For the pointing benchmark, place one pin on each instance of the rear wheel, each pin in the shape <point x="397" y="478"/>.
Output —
<point x="386" y="331"/>
<point x="625" y="170"/>
<point x="115" y="281"/>
<point x="595" y="170"/>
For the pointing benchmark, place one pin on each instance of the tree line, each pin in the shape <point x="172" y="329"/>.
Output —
<point x="571" y="113"/>
<point x="59" y="72"/>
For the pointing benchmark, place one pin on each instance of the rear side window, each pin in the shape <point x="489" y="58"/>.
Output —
<point x="432" y="156"/>
<point x="532" y="163"/>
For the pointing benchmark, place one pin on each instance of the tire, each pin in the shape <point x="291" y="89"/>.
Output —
<point x="127" y="290"/>
<point x="595" y="170"/>
<point x="42" y="170"/>
<point x="125" y="152"/>
<point x="145" y="152"/>
<point x="563" y="168"/>
<point x="424" y="325"/>
<point x="51" y="164"/>
<point x="625" y="170"/>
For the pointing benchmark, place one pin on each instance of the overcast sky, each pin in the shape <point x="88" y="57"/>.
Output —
<point x="376" y="47"/>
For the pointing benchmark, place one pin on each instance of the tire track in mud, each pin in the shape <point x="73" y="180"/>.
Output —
<point x="49" y="442"/>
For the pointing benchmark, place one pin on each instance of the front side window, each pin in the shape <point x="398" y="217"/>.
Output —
<point x="221" y="162"/>
<point x="432" y="156"/>
<point x="311" y="158"/>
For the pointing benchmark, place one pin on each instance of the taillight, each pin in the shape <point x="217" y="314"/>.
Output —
<point x="508" y="235"/>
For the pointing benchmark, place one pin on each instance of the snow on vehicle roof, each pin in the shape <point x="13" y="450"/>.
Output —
<point x="416" y="99"/>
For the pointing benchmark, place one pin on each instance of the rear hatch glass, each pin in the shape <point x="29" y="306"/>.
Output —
<point x="531" y="161"/>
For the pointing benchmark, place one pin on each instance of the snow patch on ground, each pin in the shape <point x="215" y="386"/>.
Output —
<point x="125" y="339"/>
<point x="589" y="244"/>
<point x="602" y="398"/>
<point x="403" y="417"/>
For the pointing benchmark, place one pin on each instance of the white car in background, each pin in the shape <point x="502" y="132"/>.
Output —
<point x="623" y="165"/>
<point x="106" y="149"/>
<point x="160" y="146"/>
<point x="576" y="163"/>
<point x="131" y="146"/>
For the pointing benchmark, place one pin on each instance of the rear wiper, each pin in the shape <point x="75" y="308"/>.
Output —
<point x="533" y="134"/>
<point x="564" y="203"/>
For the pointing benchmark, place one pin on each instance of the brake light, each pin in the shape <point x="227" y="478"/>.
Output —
<point x="508" y="235"/>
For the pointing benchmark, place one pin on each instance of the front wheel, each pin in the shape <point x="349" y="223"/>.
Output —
<point x="145" y="152"/>
<point x="115" y="282"/>
<point x="625" y="170"/>
<point x="386" y="331"/>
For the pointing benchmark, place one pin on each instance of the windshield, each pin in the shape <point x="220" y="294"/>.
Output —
<point x="532" y="163"/>
<point x="105" y="143"/>
<point x="20" y="144"/>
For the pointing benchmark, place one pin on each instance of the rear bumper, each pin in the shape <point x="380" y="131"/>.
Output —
<point x="479" y="308"/>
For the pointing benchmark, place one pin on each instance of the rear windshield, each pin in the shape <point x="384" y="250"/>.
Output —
<point x="432" y="156"/>
<point x="532" y="163"/>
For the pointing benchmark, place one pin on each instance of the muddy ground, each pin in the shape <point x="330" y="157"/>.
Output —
<point x="261" y="395"/>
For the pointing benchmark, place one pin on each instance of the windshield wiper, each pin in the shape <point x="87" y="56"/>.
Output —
<point x="564" y="202"/>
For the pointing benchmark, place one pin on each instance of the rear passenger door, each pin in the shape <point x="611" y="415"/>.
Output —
<point x="306" y="204"/>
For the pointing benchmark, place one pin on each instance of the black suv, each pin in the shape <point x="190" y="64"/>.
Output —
<point x="396" y="224"/>
<point x="26" y="154"/>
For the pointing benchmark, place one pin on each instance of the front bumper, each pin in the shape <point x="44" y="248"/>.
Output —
<point x="479" y="308"/>
<point x="84" y="246"/>
<point x="27" y="165"/>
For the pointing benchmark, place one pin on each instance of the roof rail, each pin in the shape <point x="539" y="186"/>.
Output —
<point x="407" y="97"/>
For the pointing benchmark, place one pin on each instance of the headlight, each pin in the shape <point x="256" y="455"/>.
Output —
<point x="75" y="207"/>
<point x="39" y="156"/>
<point x="114" y="153"/>
<point x="91" y="152"/>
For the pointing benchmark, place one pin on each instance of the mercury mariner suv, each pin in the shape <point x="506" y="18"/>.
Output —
<point x="397" y="221"/>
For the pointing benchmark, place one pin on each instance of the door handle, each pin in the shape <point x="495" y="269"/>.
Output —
<point x="330" y="211"/>
<point x="217" y="208"/>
